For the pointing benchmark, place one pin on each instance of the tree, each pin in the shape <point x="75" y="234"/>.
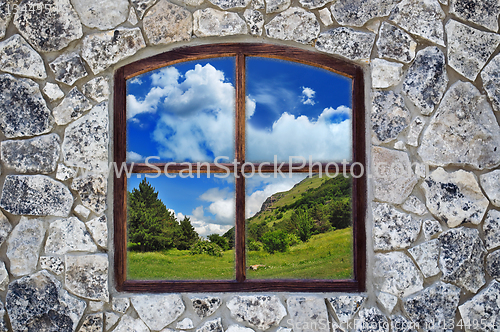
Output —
<point x="229" y="235"/>
<point x="186" y="236"/>
<point x="303" y="224"/>
<point x="219" y="240"/>
<point x="275" y="241"/>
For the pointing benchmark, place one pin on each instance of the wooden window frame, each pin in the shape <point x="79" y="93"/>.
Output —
<point x="240" y="284"/>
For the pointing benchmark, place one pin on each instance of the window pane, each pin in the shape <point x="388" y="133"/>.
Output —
<point x="297" y="110"/>
<point x="183" y="112"/>
<point x="299" y="227"/>
<point x="169" y="222"/>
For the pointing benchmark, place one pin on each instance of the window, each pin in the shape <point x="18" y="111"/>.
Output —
<point x="246" y="153"/>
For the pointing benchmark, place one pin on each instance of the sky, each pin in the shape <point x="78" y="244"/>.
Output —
<point x="185" y="112"/>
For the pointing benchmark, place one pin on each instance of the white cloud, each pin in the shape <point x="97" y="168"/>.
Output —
<point x="308" y="96"/>
<point x="136" y="80"/>
<point x="134" y="156"/>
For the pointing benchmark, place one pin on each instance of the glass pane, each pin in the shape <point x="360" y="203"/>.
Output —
<point x="297" y="110"/>
<point x="299" y="227"/>
<point x="170" y="222"/>
<point x="183" y="112"/>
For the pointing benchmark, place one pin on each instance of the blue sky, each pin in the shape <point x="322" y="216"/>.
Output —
<point x="186" y="113"/>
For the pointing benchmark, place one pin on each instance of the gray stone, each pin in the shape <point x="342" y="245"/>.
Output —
<point x="346" y="306"/>
<point x="35" y="195"/>
<point x="39" y="303"/>
<point x="53" y="91"/>
<point x="426" y="80"/>
<point x="416" y="127"/>
<point x="275" y="6"/>
<point x="129" y="324"/>
<point x="95" y="306"/>
<point x="167" y="23"/>
<point x="238" y="328"/>
<point x="414" y="205"/>
<point x="4" y="279"/>
<point x="24" y="111"/>
<point x="87" y="276"/>
<point x="371" y="320"/>
<point x="51" y="27"/>
<point x="349" y="43"/>
<point x="230" y="4"/>
<point x="212" y="326"/>
<point x="481" y="12"/>
<point x="491" y="81"/>
<point x="212" y="22"/>
<point x="6" y="11"/>
<point x="393" y="229"/>
<point x="98" y="227"/>
<point x="294" y="24"/>
<point x="389" y="116"/>
<point x="86" y="141"/>
<point x="81" y="212"/>
<point x="158" y="311"/>
<point x="454" y="198"/>
<point x="335" y="327"/>
<point x="92" y="323"/>
<point x="491" y="230"/>
<point x="97" y="89"/>
<point x="469" y="49"/>
<point x="426" y="255"/>
<point x="484" y="308"/>
<point x="421" y="170"/>
<point x="308" y="314"/>
<point x="19" y="58"/>
<point x="257" y="4"/>
<point x="462" y="258"/>
<point x="385" y="73"/>
<point x="23" y="246"/>
<point x="71" y="107"/>
<point x="325" y="16"/>
<point x="3" y="323"/>
<point x="463" y="131"/>
<point x="205" y="306"/>
<point x="255" y="21"/>
<point x="68" y="68"/>
<point x="387" y="301"/>
<point x="101" y="50"/>
<point x="64" y="173"/>
<point x="132" y="16"/>
<point x="5" y="228"/>
<point x="110" y="319"/>
<point x="491" y="186"/>
<point x="103" y="15"/>
<point x="52" y="263"/>
<point x="259" y="311"/>
<point x="393" y="176"/>
<point x="493" y="264"/>
<point x="394" y="43"/>
<point x="121" y="304"/>
<point x="187" y="324"/>
<point x="68" y="235"/>
<point x="92" y="190"/>
<point x="35" y="155"/>
<point x="141" y="6"/>
<point x="434" y="307"/>
<point x="396" y="274"/>
<point x="358" y="12"/>
<point x="314" y="4"/>
<point x="402" y="324"/>
<point x="423" y="18"/>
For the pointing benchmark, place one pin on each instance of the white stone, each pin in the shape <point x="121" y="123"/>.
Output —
<point x="97" y="89"/>
<point x="393" y="176"/>
<point x="212" y="22"/>
<point x="120" y="304"/>
<point x="385" y="73"/>
<point x="5" y="227"/>
<point x="205" y="306"/>
<point x="426" y="255"/>
<point x="19" y="58"/>
<point x="230" y="4"/>
<point x="483" y="308"/>
<point x="72" y="107"/>
<point x="423" y="18"/>
<point x="101" y="50"/>
<point x="371" y="320"/>
<point x="110" y="319"/>
<point x="394" y="43"/>
<point x="325" y="16"/>
<point x="308" y="314"/>
<point x="421" y="170"/>
<point x="68" y="68"/>
<point x="491" y="229"/>
<point x="53" y="91"/>
<point x="158" y="311"/>
<point x="493" y="264"/>
<point x="276" y="6"/>
<point x="396" y="274"/>
<point x="141" y="6"/>
<point x="387" y="301"/>
<point x="258" y="4"/>
<point x="416" y="127"/>
<point x="346" y="306"/>
<point x="64" y="173"/>
<point x="238" y="328"/>
<point x="98" y="227"/>
<point x="400" y="323"/>
<point x="358" y="12"/>
<point x="431" y="228"/>
<point x="454" y="198"/>
<point x="95" y="306"/>
<point x="103" y="15"/>
<point x="214" y="325"/>
<point x="294" y="24"/>
<point x="81" y="211"/>
<point x="187" y="324"/>
<point x="167" y="23"/>
<point x="468" y="48"/>
<point x="259" y="311"/>
<point x="491" y="81"/>
<point x="87" y="276"/>
<point x="463" y="131"/>
<point x="92" y="190"/>
<point x="314" y="4"/>
<point x="92" y="323"/>
<point x="414" y="205"/>
<point x="393" y="229"/>
<point x="4" y="276"/>
<point x="400" y="145"/>
<point x="23" y="246"/>
<point x="129" y="324"/>
<point x="68" y="235"/>
<point x="481" y="12"/>
<point x="346" y="42"/>
<point x="6" y="11"/>
<point x="491" y="186"/>
<point x="255" y="21"/>
<point x="132" y="16"/>
<point x="389" y="116"/>
<point x="53" y="264"/>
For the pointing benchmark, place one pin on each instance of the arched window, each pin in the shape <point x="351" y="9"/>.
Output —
<point x="243" y="169"/>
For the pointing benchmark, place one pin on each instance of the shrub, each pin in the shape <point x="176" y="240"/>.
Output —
<point x="275" y="241"/>
<point x="206" y="247"/>
<point x="293" y="239"/>
<point x="254" y="246"/>
<point x="220" y="241"/>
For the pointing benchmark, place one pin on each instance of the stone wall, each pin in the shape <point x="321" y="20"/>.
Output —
<point x="434" y="220"/>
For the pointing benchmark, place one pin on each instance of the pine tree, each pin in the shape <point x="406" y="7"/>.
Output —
<point x="186" y="236"/>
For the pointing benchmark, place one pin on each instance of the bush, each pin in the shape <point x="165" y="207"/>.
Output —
<point x="206" y="247"/>
<point x="293" y="239"/>
<point x="275" y="241"/>
<point x="254" y="246"/>
<point x="220" y="241"/>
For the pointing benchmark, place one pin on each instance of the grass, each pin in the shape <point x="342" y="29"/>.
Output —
<point x="324" y="256"/>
